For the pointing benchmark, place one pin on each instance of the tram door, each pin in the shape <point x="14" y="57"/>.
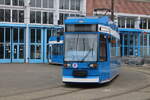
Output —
<point x="56" y="53"/>
<point x="11" y="45"/>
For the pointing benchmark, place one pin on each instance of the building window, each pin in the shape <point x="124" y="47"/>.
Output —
<point x="38" y="17"/>
<point x="45" y="3"/>
<point x="35" y="3"/>
<point x="47" y="18"/>
<point x="14" y="16"/>
<point x="18" y="16"/>
<point x="1" y="15"/>
<point x="72" y="15"/>
<point x="7" y="15"/>
<point x="121" y="22"/>
<point x="130" y="22"/>
<point x="21" y="2"/>
<point x="69" y="4"/>
<point x="32" y="17"/>
<point x="21" y="16"/>
<point x="51" y="3"/>
<point x="61" y="19"/>
<point x="78" y="5"/>
<point x="48" y="3"/>
<point x="38" y="3"/>
<point x="63" y="16"/>
<point x="15" y="2"/>
<point x="143" y="23"/>
<point x="61" y="4"/>
<point x="50" y="18"/>
<point x="1" y="2"/>
<point x="73" y="4"/>
<point x="7" y="2"/>
<point x="64" y="4"/>
<point x="18" y="2"/>
<point x="32" y="3"/>
<point x="4" y="2"/>
<point x="35" y="17"/>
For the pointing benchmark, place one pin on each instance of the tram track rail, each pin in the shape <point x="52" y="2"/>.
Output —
<point x="61" y="94"/>
<point x="105" y="97"/>
<point x="31" y="91"/>
<point x="77" y="90"/>
<point x="40" y="90"/>
<point x="128" y="91"/>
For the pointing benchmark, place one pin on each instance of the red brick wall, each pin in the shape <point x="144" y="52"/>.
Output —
<point x="122" y="6"/>
<point x="89" y="7"/>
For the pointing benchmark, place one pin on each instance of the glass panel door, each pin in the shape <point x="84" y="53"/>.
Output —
<point x="11" y="45"/>
<point x="5" y="45"/>
<point x="18" y="45"/>
<point x="131" y="44"/>
<point x="36" y="48"/>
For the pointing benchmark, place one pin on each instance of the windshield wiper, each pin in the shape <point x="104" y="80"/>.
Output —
<point x="87" y="54"/>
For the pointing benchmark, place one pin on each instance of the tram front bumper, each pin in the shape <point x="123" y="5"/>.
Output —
<point x="90" y="79"/>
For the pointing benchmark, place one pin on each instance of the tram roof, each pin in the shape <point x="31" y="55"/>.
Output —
<point x="88" y="20"/>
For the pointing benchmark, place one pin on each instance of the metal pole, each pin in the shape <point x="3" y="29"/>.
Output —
<point x="112" y="10"/>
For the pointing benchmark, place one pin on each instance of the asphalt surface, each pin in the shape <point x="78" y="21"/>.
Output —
<point x="43" y="82"/>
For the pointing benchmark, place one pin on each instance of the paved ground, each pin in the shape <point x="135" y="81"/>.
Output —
<point x="43" y="82"/>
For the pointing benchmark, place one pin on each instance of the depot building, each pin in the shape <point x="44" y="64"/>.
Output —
<point x="26" y="25"/>
<point x="133" y="20"/>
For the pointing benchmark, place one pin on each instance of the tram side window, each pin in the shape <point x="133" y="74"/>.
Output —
<point x="103" y="48"/>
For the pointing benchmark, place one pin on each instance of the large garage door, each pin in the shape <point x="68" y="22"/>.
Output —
<point x="12" y="45"/>
<point x="36" y="46"/>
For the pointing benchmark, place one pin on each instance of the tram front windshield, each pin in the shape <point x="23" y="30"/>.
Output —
<point x="80" y="47"/>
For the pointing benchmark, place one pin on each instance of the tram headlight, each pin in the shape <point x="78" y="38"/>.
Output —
<point x="93" y="65"/>
<point x="67" y="65"/>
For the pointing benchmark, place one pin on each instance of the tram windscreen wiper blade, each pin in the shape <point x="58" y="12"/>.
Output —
<point x="87" y="54"/>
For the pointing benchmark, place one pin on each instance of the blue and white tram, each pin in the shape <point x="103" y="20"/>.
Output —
<point x="56" y="45"/>
<point x="87" y="56"/>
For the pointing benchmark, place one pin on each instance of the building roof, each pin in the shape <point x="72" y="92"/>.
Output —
<point x="121" y="6"/>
